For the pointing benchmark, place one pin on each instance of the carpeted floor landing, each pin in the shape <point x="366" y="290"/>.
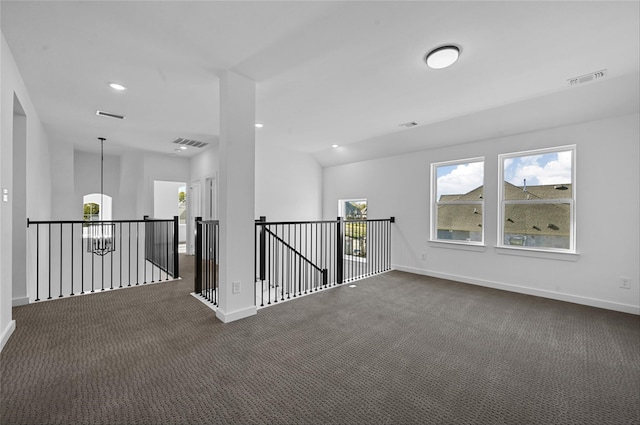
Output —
<point x="397" y="349"/>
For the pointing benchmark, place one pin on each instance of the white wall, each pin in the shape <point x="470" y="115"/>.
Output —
<point x="607" y="191"/>
<point x="64" y="202"/>
<point x="38" y="176"/>
<point x="203" y="166"/>
<point x="87" y="180"/>
<point x="288" y="185"/>
<point x="131" y="186"/>
<point x="160" y="167"/>
<point x="128" y="179"/>
<point x="165" y="203"/>
<point x="165" y="199"/>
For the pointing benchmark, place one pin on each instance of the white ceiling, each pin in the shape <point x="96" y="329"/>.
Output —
<point x="327" y="72"/>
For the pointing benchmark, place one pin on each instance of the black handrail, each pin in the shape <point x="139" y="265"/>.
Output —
<point x="289" y="254"/>
<point x="295" y="251"/>
<point x="76" y="256"/>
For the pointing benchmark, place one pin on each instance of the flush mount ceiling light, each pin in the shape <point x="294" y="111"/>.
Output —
<point x="117" y="86"/>
<point x="335" y="146"/>
<point x="442" y="57"/>
<point x="258" y="125"/>
<point x="184" y="148"/>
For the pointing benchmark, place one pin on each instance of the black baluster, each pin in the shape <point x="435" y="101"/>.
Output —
<point x="60" y="260"/>
<point x="138" y="253"/>
<point x="49" y="262"/>
<point x="72" y="259"/>
<point x="129" y="255"/>
<point x="37" y="262"/>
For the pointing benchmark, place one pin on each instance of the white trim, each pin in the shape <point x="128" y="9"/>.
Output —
<point x="538" y="253"/>
<point x="16" y="302"/>
<point x="236" y="315"/>
<point x="465" y="246"/>
<point x="204" y="301"/>
<point x="559" y="296"/>
<point x="6" y="334"/>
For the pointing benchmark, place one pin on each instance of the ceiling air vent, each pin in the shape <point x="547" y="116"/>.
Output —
<point x="598" y="75"/>
<point x="109" y="114"/>
<point x="408" y="124"/>
<point x="190" y="143"/>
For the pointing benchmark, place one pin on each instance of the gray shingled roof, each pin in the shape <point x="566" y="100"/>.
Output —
<point x="532" y="219"/>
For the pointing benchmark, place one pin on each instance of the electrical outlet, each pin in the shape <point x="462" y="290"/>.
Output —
<point x="624" y="282"/>
<point x="236" y="287"/>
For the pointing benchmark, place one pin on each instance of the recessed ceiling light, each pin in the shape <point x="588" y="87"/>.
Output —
<point x="442" y="56"/>
<point x="117" y="86"/>
<point x="183" y="148"/>
<point x="258" y="125"/>
<point x="335" y="146"/>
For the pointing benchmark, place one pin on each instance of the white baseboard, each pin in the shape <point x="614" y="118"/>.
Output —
<point x="236" y="315"/>
<point x="19" y="301"/>
<point x="7" y="333"/>
<point x="592" y="302"/>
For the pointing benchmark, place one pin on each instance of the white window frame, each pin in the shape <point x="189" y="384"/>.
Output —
<point x="571" y="201"/>
<point x="433" y="234"/>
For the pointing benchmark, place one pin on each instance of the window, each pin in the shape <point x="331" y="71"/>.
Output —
<point x="94" y="210"/>
<point x="354" y="211"/>
<point x="537" y="197"/>
<point x="457" y="201"/>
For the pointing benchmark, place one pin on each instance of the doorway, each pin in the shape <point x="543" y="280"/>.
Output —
<point x="170" y="200"/>
<point x="195" y="210"/>
<point x="20" y="294"/>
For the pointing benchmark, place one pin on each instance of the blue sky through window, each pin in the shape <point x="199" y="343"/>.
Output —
<point x="459" y="179"/>
<point x="550" y="168"/>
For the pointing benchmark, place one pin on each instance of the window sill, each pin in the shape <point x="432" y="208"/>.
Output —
<point x="465" y="246"/>
<point x="538" y="253"/>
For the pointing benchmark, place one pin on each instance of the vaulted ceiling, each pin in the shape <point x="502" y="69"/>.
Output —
<point x="345" y="73"/>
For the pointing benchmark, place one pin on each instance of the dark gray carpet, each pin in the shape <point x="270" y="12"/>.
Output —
<point x="398" y="349"/>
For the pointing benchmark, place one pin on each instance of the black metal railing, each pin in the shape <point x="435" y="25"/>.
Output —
<point x="207" y="248"/>
<point x="296" y="258"/>
<point x="76" y="257"/>
<point x="161" y="244"/>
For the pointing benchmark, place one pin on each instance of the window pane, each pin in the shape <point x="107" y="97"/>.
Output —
<point x="538" y="225"/>
<point x="542" y="176"/>
<point x="459" y="181"/>
<point x="459" y="222"/>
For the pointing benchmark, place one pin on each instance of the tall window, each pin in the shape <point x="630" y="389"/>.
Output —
<point x="457" y="201"/>
<point x="354" y="211"/>
<point x="537" y="199"/>
<point x="93" y="210"/>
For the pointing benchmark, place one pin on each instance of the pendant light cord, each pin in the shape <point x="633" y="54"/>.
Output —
<point x="102" y="139"/>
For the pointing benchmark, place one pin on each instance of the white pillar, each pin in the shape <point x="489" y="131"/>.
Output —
<point x="237" y="196"/>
